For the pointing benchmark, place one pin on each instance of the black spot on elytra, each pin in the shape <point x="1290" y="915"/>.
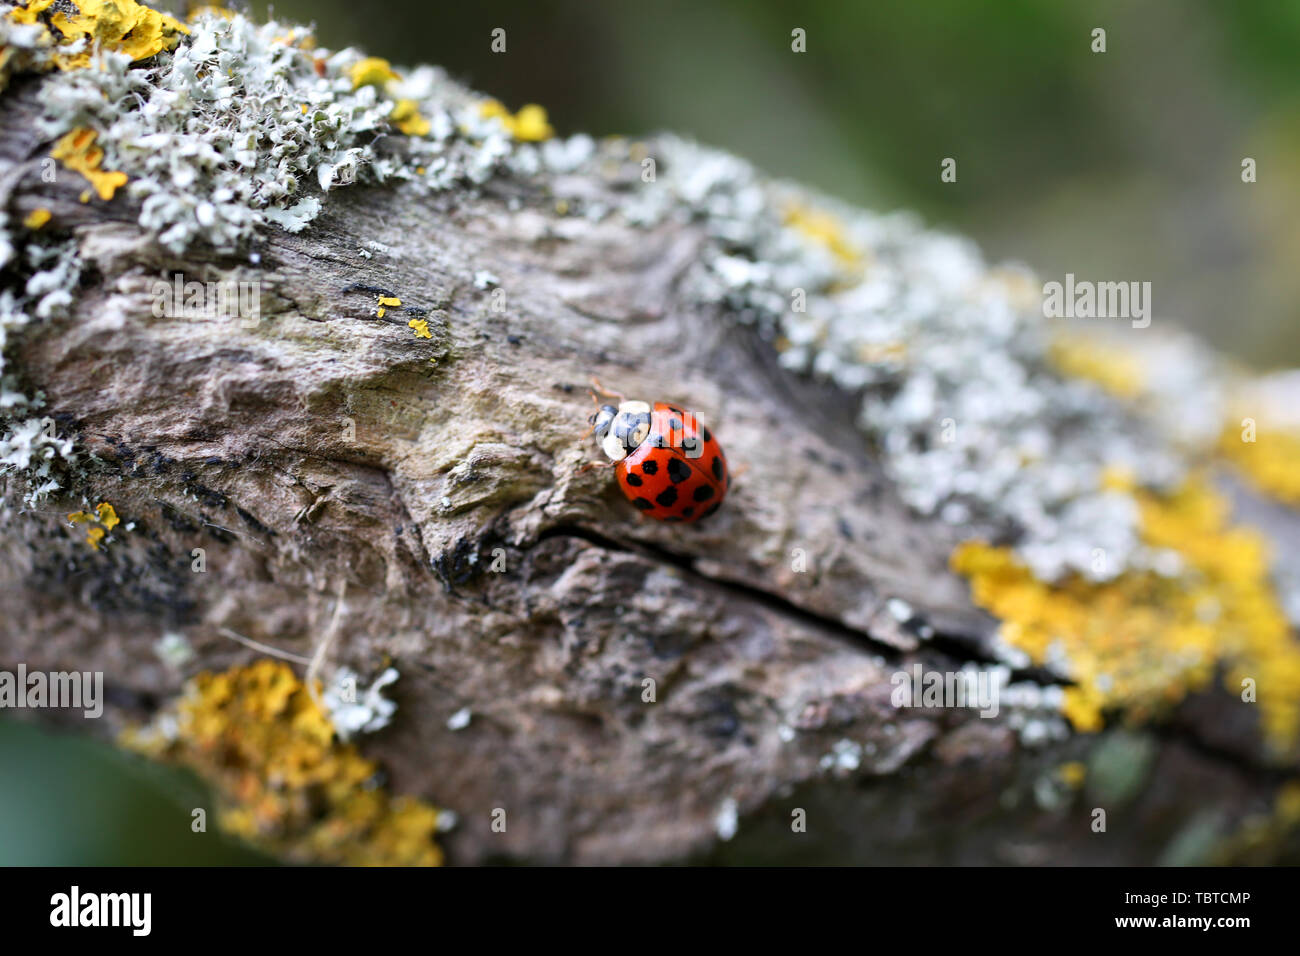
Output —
<point x="717" y="467"/>
<point x="712" y="508"/>
<point x="667" y="497"/>
<point x="678" y="470"/>
<point x="634" y="480"/>
<point x="703" y="493"/>
<point x="674" y="424"/>
<point x="643" y="504"/>
<point x="650" y="466"/>
<point x="688" y="511"/>
<point x="705" y="433"/>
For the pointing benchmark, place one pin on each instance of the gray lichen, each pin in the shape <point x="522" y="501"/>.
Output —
<point x="235" y="129"/>
<point x="30" y="443"/>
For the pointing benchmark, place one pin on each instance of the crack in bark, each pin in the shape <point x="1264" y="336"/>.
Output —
<point x="959" y="650"/>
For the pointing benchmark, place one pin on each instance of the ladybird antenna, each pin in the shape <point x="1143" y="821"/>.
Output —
<point x="606" y="391"/>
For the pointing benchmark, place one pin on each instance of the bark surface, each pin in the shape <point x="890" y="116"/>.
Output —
<point x="327" y="455"/>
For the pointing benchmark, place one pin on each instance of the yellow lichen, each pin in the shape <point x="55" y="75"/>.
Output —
<point x="1258" y="838"/>
<point x="530" y="124"/>
<point x="872" y="353"/>
<point x="300" y="37"/>
<point x="283" y="780"/>
<point x="74" y="32"/>
<point x="1144" y="641"/>
<point x="1271" y="461"/>
<point x="406" y="117"/>
<point x="1118" y="478"/>
<point x="421" y="327"/>
<point x="372" y="71"/>
<point x="103" y="520"/>
<point x="121" y="25"/>
<point x="1072" y="774"/>
<point x="107" y="515"/>
<point x="1116" y="371"/>
<point x="26" y="14"/>
<point x="210" y="10"/>
<point x="78" y="152"/>
<point x="824" y="229"/>
<point x="36" y="218"/>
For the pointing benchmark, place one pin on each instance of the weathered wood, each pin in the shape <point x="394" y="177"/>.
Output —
<point x="329" y="448"/>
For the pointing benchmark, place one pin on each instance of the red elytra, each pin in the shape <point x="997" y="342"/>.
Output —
<point x="678" y="473"/>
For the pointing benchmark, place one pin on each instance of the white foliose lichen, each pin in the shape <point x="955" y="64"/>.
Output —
<point x="726" y="822"/>
<point x="354" y="711"/>
<point x="30" y="444"/>
<point x="240" y="126"/>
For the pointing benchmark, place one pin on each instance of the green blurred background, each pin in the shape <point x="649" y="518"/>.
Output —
<point x="1124" y="165"/>
<point x="68" y="800"/>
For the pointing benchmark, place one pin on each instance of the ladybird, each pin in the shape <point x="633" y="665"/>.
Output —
<point x="667" y="462"/>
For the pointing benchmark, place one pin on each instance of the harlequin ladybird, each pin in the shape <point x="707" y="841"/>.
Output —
<point x="667" y="462"/>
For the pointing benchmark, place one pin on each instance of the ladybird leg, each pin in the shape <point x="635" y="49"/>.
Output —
<point x="605" y="391"/>
<point x="596" y="464"/>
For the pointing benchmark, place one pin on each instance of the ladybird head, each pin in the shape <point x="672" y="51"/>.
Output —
<point x="620" y="430"/>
